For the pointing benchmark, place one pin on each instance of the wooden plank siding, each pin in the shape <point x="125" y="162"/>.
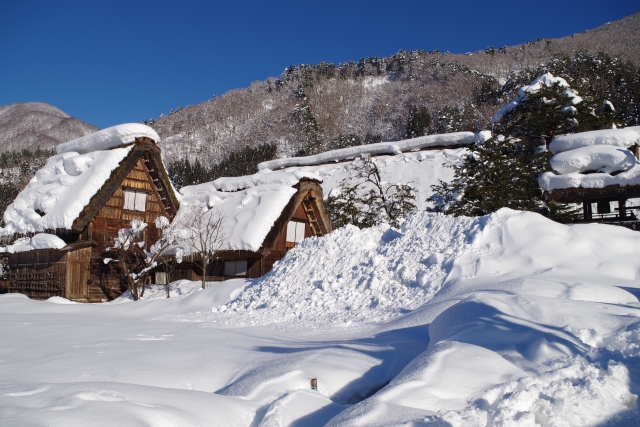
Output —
<point x="104" y="280"/>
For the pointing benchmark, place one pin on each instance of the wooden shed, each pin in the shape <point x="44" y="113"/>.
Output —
<point x="138" y="188"/>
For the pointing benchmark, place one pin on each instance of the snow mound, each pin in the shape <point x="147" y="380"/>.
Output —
<point x="58" y="193"/>
<point x="397" y="147"/>
<point x="599" y="158"/>
<point x="38" y="241"/>
<point x="547" y="80"/>
<point x="105" y="139"/>
<point x="617" y="137"/>
<point x="354" y="277"/>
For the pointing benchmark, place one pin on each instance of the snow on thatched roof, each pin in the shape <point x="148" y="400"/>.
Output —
<point x="587" y="159"/>
<point x="396" y="147"/>
<point x="115" y="136"/>
<point x="617" y="137"/>
<point x="59" y="191"/>
<point x="65" y="185"/>
<point x="248" y="215"/>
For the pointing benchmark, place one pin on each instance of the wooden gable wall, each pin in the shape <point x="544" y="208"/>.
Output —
<point x="112" y="216"/>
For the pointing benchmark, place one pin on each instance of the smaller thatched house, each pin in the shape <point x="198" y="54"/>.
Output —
<point x="264" y="216"/>
<point x="73" y="208"/>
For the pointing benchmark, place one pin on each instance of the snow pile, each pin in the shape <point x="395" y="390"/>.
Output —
<point x="397" y="147"/>
<point x="59" y="191"/>
<point x="526" y="330"/>
<point x="588" y="159"/>
<point x="38" y="241"/>
<point x="247" y="216"/>
<point x="105" y="139"/>
<point x="547" y="80"/>
<point x="615" y="137"/>
<point x="355" y="276"/>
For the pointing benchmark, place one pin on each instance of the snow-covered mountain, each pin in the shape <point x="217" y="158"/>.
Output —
<point x="33" y="125"/>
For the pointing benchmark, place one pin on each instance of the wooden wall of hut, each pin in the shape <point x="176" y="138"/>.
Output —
<point x="105" y="279"/>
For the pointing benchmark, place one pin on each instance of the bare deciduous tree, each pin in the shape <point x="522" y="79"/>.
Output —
<point x="204" y="234"/>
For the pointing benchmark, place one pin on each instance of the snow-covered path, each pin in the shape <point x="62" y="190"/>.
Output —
<point x="508" y="319"/>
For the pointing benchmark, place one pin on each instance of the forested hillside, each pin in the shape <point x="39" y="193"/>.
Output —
<point x="35" y="125"/>
<point x="312" y="108"/>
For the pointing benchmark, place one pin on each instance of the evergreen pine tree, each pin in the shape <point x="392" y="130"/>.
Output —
<point x="503" y="171"/>
<point x="418" y="121"/>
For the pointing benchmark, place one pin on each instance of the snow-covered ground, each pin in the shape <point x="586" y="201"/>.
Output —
<point x="505" y="320"/>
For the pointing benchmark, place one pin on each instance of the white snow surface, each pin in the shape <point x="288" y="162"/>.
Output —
<point x="61" y="190"/>
<point x="547" y="80"/>
<point x="601" y="158"/>
<point x="625" y="137"/>
<point x="503" y="320"/>
<point x="247" y="215"/>
<point x="288" y="178"/>
<point x="37" y="241"/>
<point x="105" y="139"/>
<point x="396" y="147"/>
<point x="602" y="151"/>
<point x="420" y="169"/>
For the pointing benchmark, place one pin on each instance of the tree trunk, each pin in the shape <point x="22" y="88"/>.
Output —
<point x="205" y="263"/>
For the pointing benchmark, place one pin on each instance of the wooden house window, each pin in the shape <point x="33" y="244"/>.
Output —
<point x="295" y="232"/>
<point x="235" y="268"/>
<point x="135" y="200"/>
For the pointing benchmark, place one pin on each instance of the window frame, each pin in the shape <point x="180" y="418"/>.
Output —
<point x="135" y="193"/>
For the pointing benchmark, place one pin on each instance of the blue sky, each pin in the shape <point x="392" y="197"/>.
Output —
<point x="109" y="62"/>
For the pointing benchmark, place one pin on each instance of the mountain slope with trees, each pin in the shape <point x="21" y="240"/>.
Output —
<point x="313" y="108"/>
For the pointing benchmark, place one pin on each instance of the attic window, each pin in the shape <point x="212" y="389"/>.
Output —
<point x="135" y="200"/>
<point x="295" y="231"/>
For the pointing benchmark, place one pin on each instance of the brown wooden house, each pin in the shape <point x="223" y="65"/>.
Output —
<point x="138" y="188"/>
<point x="304" y="215"/>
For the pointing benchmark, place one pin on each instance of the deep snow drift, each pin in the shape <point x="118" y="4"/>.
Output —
<point x="508" y="319"/>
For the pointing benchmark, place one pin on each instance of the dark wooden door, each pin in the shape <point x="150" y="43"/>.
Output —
<point x="77" y="283"/>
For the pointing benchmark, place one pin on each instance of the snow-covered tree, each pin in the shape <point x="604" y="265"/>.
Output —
<point x="503" y="171"/>
<point x="135" y="262"/>
<point x="366" y="199"/>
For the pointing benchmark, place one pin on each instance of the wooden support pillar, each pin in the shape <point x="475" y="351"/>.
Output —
<point x="586" y="209"/>
<point x="621" y="208"/>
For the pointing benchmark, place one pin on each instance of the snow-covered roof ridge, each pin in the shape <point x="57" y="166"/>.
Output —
<point x="396" y="147"/>
<point x="547" y="80"/>
<point x="237" y="183"/>
<point x="624" y="137"/>
<point x="115" y="136"/>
